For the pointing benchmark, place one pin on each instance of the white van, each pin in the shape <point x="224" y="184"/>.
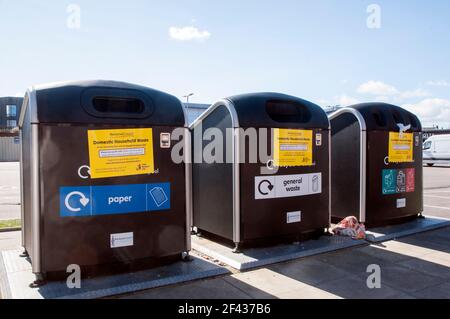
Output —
<point x="436" y="150"/>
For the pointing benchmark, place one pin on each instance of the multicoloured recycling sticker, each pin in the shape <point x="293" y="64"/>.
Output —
<point x="398" y="181"/>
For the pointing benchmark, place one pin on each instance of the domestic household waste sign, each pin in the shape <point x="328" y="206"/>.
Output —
<point x="400" y="147"/>
<point x="121" y="152"/>
<point x="293" y="148"/>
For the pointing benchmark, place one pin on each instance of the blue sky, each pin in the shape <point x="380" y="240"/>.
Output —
<point x="318" y="50"/>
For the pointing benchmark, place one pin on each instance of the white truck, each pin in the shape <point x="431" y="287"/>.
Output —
<point x="436" y="150"/>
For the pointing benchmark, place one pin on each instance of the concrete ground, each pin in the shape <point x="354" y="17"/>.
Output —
<point x="417" y="266"/>
<point x="437" y="191"/>
<point x="436" y="177"/>
<point x="412" y="267"/>
<point x="9" y="191"/>
<point x="10" y="240"/>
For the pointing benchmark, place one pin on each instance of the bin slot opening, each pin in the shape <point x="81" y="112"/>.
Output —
<point x="413" y="121"/>
<point x="379" y="119"/>
<point x="398" y="118"/>
<point x="118" y="105"/>
<point x="286" y="111"/>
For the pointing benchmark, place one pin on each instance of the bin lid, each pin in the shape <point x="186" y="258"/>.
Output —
<point x="278" y="111"/>
<point x="387" y="117"/>
<point x="106" y="102"/>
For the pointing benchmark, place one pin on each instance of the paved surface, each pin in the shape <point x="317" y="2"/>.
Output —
<point x="413" y="267"/>
<point x="437" y="202"/>
<point x="10" y="240"/>
<point x="9" y="191"/>
<point x="16" y="276"/>
<point x="263" y="256"/>
<point x="437" y="177"/>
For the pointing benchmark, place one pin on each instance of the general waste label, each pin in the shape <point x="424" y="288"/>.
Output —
<point x="123" y="152"/>
<point x="401" y="147"/>
<point x="112" y="200"/>
<point x="267" y="187"/>
<point x="398" y="181"/>
<point x="293" y="148"/>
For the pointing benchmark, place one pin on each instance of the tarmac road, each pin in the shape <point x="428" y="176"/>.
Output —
<point x="9" y="191"/>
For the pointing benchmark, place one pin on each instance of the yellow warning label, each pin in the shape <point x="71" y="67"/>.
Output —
<point x="401" y="147"/>
<point x="293" y="148"/>
<point x="123" y="152"/>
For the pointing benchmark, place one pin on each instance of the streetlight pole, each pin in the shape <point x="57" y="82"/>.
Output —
<point x="187" y="96"/>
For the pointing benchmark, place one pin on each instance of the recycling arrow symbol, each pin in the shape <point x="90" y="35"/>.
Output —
<point x="84" y="201"/>
<point x="270" y="187"/>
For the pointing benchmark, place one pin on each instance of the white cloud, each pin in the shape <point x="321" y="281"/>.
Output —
<point x="345" y="100"/>
<point x="388" y="93"/>
<point x="438" y="83"/>
<point x="188" y="34"/>
<point x="382" y="99"/>
<point x="323" y="102"/>
<point x="431" y="111"/>
<point x="377" y="88"/>
<point x="413" y="94"/>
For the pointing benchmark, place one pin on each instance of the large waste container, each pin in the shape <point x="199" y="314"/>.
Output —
<point x="376" y="164"/>
<point x="100" y="189"/>
<point x="242" y="201"/>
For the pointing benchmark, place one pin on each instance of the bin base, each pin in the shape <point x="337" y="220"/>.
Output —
<point x="16" y="275"/>
<point x="418" y="225"/>
<point x="115" y="268"/>
<point x="382" y="223"/>
<point x="257" y="257"/>
<point x="262" y="242"/>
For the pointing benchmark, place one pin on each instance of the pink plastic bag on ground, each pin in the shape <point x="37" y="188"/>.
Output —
<point x="350" y="227"/>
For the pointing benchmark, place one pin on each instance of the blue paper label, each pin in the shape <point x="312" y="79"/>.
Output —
<point x="111" y="200"/>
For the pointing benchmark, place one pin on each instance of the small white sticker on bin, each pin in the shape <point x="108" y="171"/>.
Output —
<point x="318" y="139"/>
<point x="122" y="240"/>
<point x="165" y="140"/>
<point x="401" y="203"/>
<point x="294" y="217"/>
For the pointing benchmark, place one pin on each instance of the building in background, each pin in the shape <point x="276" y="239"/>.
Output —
<point x="332" y="108"/>
<point x="9" y="135"/>
<point x="9" y="113"/>
<point x="430" y="131"/>
<point x="194" y="110"/>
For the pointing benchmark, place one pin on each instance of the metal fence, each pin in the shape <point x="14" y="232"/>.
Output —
<point x="9" y="149"/>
